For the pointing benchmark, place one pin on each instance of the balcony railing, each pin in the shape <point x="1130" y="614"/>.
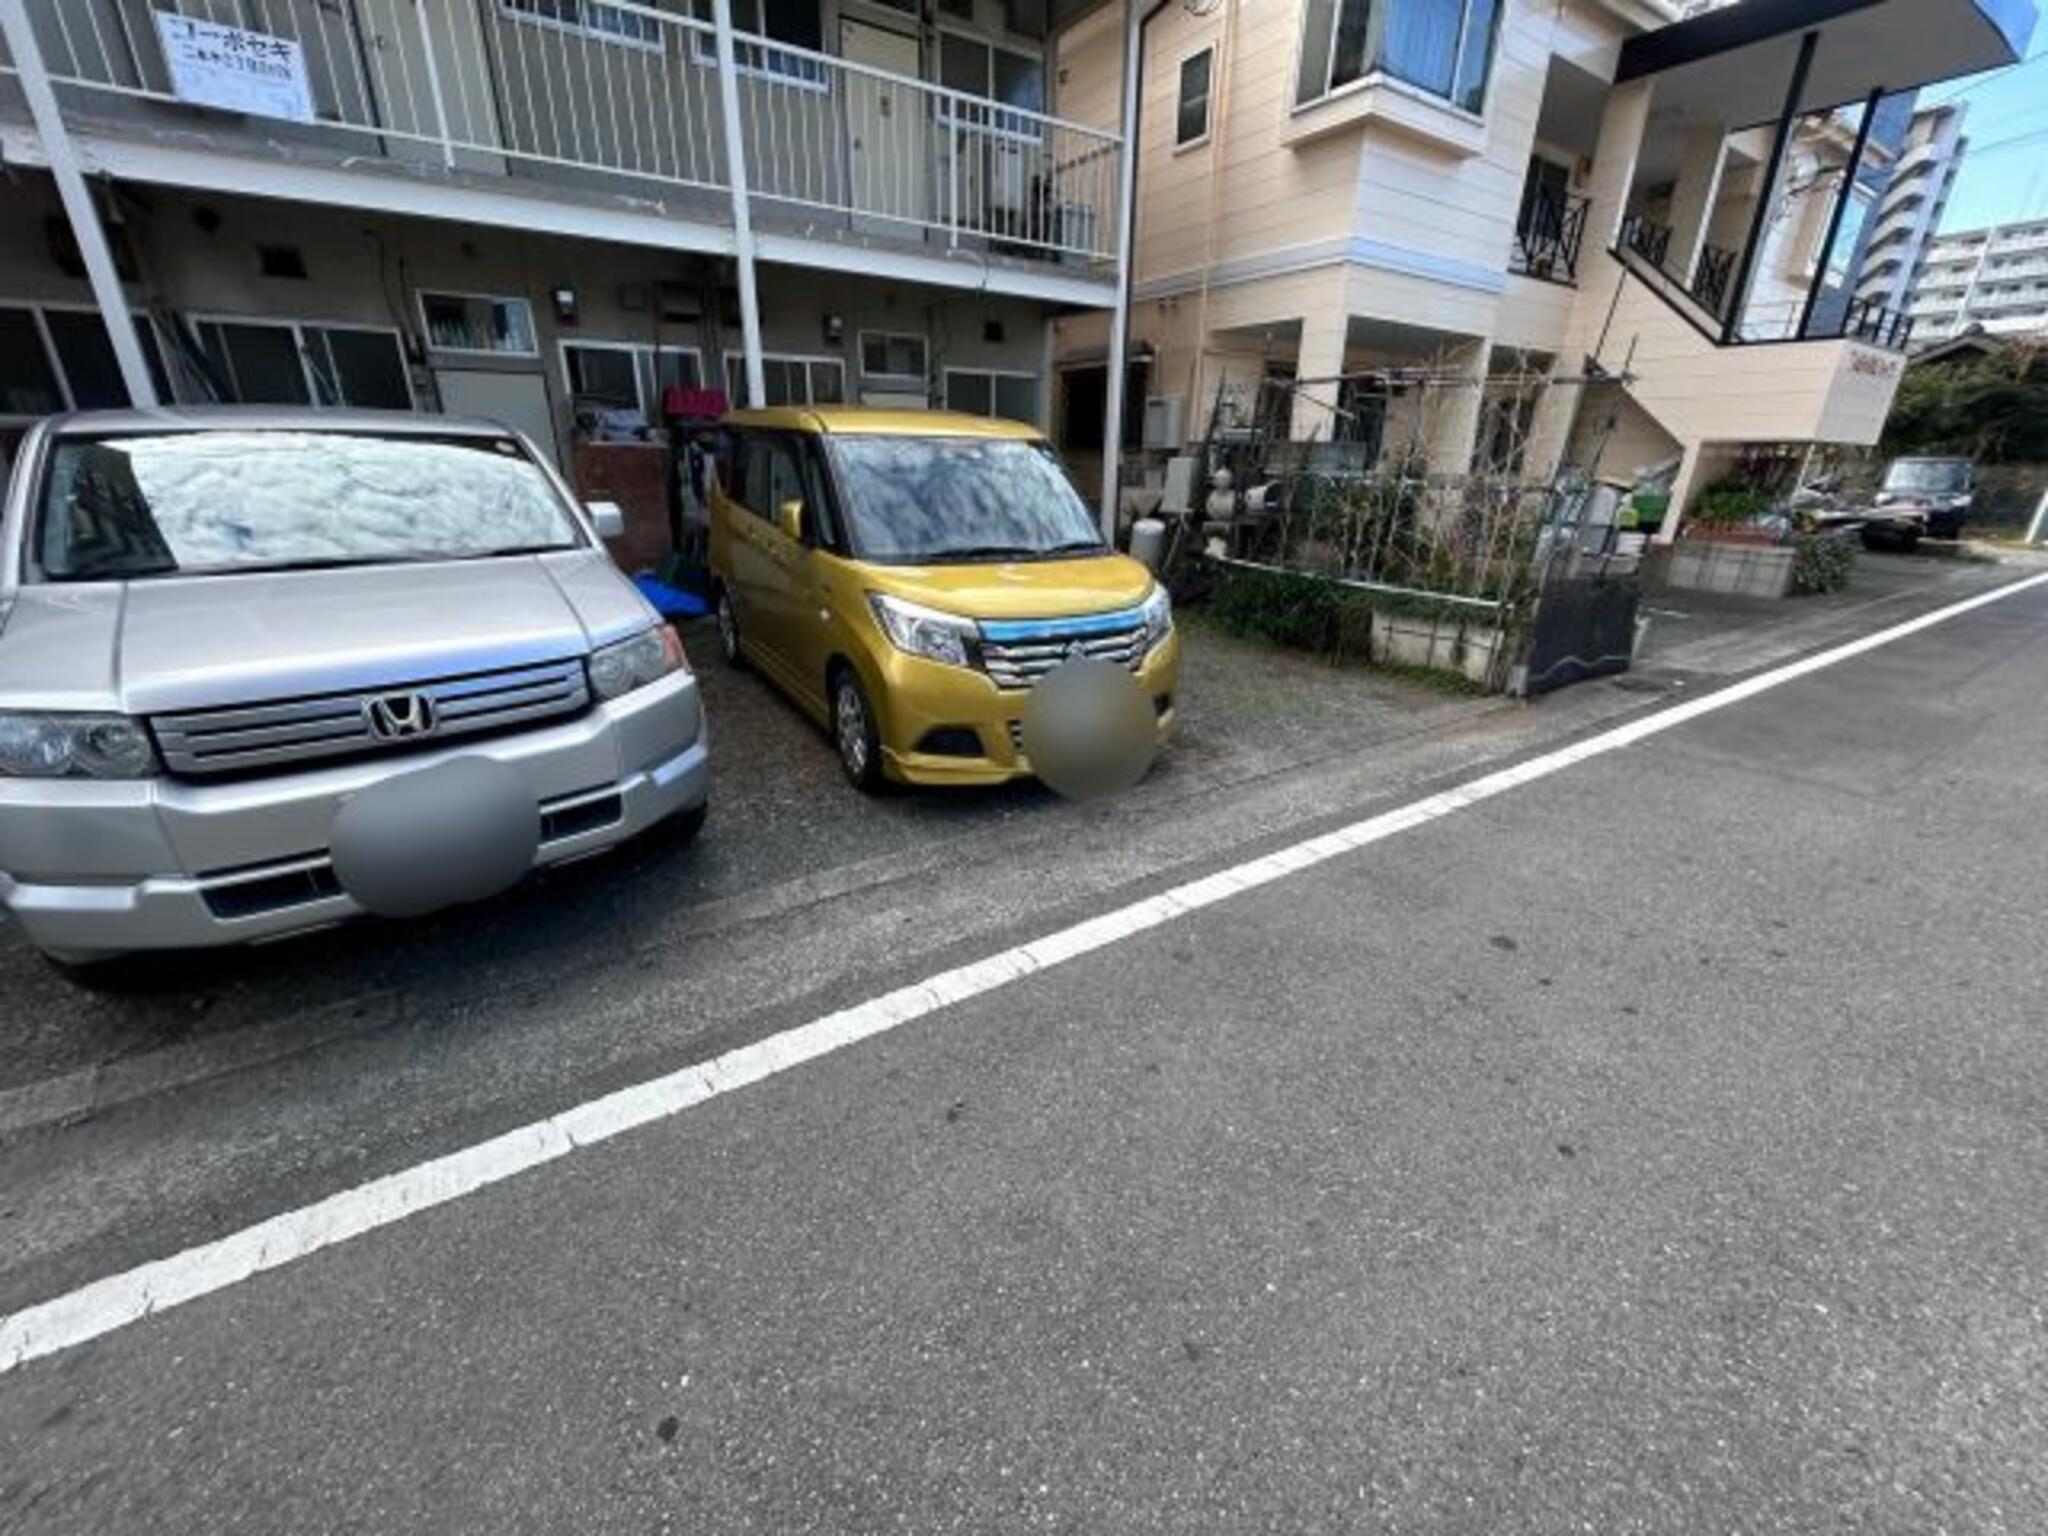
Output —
<point x="1548" y="237"/>
<point x="1711" y="275"/>
<point x="613" y="96"/>
<point x="1862" y="320"/>
<point x="1647" y="238"/>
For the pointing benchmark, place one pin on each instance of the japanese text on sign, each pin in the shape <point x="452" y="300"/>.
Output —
<point x="234" y="69"/>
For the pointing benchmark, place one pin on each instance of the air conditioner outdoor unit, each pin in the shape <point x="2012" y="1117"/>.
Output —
<point x="1162" y="421"/>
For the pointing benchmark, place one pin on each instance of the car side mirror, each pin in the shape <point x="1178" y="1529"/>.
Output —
<point x="790" y="518"/>
<point x="608" y="518"/>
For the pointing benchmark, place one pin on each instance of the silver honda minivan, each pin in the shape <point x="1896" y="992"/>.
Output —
<point x="262" y="670"/>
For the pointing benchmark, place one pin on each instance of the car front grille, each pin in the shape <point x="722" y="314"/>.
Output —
<point x="1018" y="654"/>
<point x="297" y="732"/>
<point x="253" y="890"/>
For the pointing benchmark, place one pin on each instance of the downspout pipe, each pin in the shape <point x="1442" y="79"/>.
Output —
<point x="1136" y="14"/>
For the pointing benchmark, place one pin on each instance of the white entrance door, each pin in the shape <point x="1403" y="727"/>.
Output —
<point x="887" y="135"/>
<point x="518" y="400"/>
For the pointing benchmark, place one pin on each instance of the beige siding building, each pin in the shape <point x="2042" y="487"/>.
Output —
<point x="1387" y="214"/>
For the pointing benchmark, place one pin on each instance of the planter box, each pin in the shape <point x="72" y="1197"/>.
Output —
<point x="1726" y="565"/>
<point x="1472" y="648"/>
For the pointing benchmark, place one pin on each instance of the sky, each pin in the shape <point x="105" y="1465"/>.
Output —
<point x="2005" y="173"/>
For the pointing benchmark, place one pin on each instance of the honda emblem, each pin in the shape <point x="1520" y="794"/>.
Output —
<point x="401" y="716"/>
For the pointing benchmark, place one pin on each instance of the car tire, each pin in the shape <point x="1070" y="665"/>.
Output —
<point x="854" y="737"/>
<point x="728" y="628"/>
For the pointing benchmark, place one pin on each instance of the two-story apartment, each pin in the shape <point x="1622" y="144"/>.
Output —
<point x="1395" y="208"/>
<point x="553" y="212"/>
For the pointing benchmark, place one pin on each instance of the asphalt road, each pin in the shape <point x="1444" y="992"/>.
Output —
<point x="1656" y="1147"/>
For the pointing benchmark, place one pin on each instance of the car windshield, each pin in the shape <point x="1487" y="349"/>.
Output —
<point x="137" y="505"/>
<point x="1938" y="475"/>
<point x="960" y="498"/>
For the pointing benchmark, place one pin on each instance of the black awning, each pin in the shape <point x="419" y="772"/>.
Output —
<point x="1731" y="65"/>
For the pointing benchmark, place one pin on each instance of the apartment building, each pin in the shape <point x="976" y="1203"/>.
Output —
<point x="566" y="214"/>
<point x="1909" y="211"/>
<point x="1398" y="208"/>
<point x="1993" y="279"/>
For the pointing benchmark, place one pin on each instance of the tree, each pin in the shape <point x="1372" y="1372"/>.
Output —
<point x="1994" y="409"/>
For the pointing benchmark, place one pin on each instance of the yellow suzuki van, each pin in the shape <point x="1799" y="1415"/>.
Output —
<point x="907" y="576"/>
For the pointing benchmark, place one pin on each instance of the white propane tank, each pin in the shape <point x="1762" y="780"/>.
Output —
<point x="1148" y="542"/>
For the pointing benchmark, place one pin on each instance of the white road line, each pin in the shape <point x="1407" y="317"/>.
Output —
<point x="105" y="1305"/>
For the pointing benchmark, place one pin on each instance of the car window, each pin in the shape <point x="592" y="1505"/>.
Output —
<point x="959" y="498"/>
<point x="773" y="475"/>
<point x="135" y="505"/>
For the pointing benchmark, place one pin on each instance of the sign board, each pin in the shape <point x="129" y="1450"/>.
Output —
<point x="235" y="69"/>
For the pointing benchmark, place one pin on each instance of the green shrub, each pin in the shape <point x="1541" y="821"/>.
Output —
<point x="1731" y="501"/>
<point x="1821" y="563"/>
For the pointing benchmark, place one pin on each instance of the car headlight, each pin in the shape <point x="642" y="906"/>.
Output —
<point x="628" y="664"/>
<point x="1157" y="612"/>
<point x="36" y="746"/>
<point x="926" y="631"/>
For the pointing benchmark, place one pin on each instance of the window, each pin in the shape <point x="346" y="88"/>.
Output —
<point x="995" y="74"/>
<point x="474" y="322"/>
<point x="1192" y="125"/>
<point x="28" y="378"/>
<point x="893" y="355"/>
<point x="790" y="380"/>
<point x="594" y="18"/>
<point x="795" y="22"/>
<point x="273" y="362"/>
<point x="1444" y="47"/>
<point x="55" y="358"/>
<point x="1012" y="396"/>
<point x="627" y="376"/>
<point x="603" y="376"/>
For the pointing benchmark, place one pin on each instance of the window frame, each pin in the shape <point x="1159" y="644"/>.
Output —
<point x="808" y="74"/>
<point x="67" y="394"/>
<point x="992" y="374"/>
<point x="922" y="378"/>
<point x="736" y="376"/>
<point x="1376" y="72"/>
<point x="646" y="357"/>
<point x="514" y="11"/>
<point x="421" y="295"/>
<point x="1032" y="119"/>
<point x="1180" y="80"/>
<point x="298" y="326"/>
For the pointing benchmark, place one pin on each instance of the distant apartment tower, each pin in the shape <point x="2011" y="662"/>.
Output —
<point x="1902" y="226"/>
<point x="1995" y="279"/>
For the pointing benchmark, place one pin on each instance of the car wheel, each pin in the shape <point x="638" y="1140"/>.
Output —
<point x="729" y="630"/>
<point x="853" y="733"/>
<point x="1908" y="542"/>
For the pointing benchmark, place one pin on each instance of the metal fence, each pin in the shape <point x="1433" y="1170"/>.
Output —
<point x="617" y="95"/>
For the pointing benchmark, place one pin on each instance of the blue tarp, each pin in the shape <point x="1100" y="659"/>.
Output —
<point x="670" y="602"/>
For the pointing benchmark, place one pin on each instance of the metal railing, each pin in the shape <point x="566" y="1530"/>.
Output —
<point x="1711" y="275"/>
<point x="612" y="95"/>
<point x="1647" y="238"/>
<point x="1548" y="237"/>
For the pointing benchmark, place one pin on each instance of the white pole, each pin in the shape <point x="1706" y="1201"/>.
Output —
<point x="2040" y="515"/>
<point x="433" y="86"/>
<point x="742" y="218"/>
<point x="78" y="204"/>
<point x="1120" y="315"/>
